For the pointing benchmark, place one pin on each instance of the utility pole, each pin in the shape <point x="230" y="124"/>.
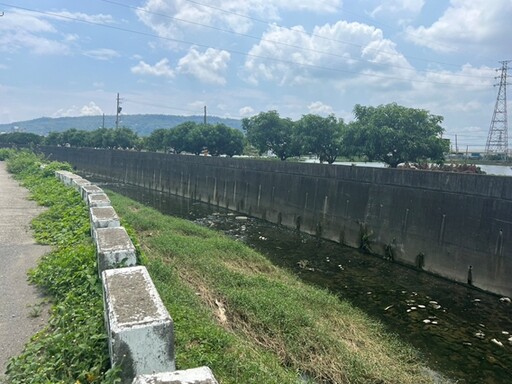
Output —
<point x="456" y="145"/>
<point x="118" y="110"/>
<point x="497" y="140"/>
<point x="204" y="118"/>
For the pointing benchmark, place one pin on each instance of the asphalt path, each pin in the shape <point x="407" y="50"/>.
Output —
<point x="22" y="308"/>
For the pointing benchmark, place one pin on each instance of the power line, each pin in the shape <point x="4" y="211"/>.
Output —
<point x="280" y="42"/>
<point x="189" y="43"/>
<point x="290" y="45"/>
<point x="312" y="34"/>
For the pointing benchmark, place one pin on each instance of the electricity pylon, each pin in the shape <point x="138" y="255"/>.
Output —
<point x="497" y="140"/>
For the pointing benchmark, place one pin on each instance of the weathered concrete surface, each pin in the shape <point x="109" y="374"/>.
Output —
<point x="78" y="183"/>
<point x="89" y="189"/>
<point x="201" y="375"/>
<point x="141" y="331"/>
<point x="67" y="177"/>
<point x="114" y="248"/>
<point x="19" y="301"/>
<point x="98" y="200"/>
<point x="63" y="175"/>
<point x="103" y="217"/>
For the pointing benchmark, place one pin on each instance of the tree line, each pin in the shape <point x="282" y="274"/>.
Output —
<point x="389" y="133"/>
<point x="189" y="137"/>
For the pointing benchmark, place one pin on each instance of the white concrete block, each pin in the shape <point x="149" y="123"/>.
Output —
<point x="88" y="189"/>
<point x="201" y="375"/>
<point x="140" y="329"/>
<point x="78" y="183"/>
<point x="103" y="217"/>
<point x="114" y="248"/>
<point x="98" y="200"/>
<point x="67" y="177"/>
<point x="63" y="175"/>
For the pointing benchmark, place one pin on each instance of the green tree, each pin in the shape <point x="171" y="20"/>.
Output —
<point x="223" y="140"/>
<point x="267" y="131"/>
<point x="158" y="140"/>
<point x="197" y="138"/>
<point x="21" y="138"/>
<point x="99" y="138"/>
<point x="75" y="138"/>
<point x="180" y="137"/>
<point x="320" y="136"/>
<point x="53" y="138"/>
<point x="123" y="137"/>
<point x="395" y="134"/>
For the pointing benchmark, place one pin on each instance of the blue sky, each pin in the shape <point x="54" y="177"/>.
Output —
<point x="238" y="58"/>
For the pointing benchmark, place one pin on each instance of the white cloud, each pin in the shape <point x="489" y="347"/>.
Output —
<point x="412" y="7"/>
<point x="467" y="106"/>
<point x="324" y="6"/>
<point x="319" y="108"/>
<point x="173" y="19"/>
<point x="73" y="16"/>
<point x="102" y="54"/>
<point x="90" y="109"/>
<point x="161" y="68"/>
<point x="24" y="30"/>
<point x="27" y="21"/>
<point x="208" y="67"/>
<point x="469" y="78"/>
<point x="246" y="111"/>
<point x="71" y="37"/>
<point x="331" y="52"/>
<point x="197" y="105"/>
<point x="482" y="23"/>
<point x="35" y="32"/>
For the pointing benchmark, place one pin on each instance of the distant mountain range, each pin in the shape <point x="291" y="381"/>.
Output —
<point x="142" y="124"/>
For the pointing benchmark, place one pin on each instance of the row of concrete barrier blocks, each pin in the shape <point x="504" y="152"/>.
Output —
<point x="140" y="329"/>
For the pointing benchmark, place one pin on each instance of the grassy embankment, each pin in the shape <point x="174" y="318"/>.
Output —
<point x="234" y="311"/>
<point x="253" y="322"/>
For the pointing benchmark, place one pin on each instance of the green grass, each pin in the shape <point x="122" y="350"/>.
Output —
<point x="73" y="347"/>
<point x="252" y="322"/>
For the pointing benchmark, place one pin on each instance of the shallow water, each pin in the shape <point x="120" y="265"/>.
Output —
<point x="457" y="329"/>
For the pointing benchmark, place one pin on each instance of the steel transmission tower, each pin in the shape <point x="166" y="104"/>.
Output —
<point x="497" y="140"/>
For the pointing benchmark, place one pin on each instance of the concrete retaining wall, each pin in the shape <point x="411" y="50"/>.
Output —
<point x="440" y="222"/>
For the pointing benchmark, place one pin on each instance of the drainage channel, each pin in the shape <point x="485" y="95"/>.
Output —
<point x="464" y="333"/>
